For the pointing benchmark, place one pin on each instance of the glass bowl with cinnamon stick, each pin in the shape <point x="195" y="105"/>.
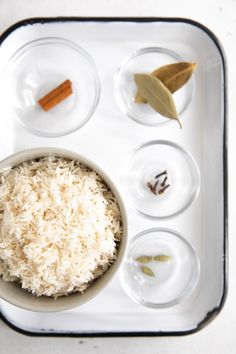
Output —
<point x="51" y="86"/>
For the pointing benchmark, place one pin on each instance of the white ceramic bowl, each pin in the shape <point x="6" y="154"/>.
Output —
<point x="13" y="293"/>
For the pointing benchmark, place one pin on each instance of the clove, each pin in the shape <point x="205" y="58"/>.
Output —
<point x="161" y="174"/>
<point x="159" y="188"/>
<point x="153" y="187"/>
<point x="164" y="182"/>
<point x="162" y="190"/>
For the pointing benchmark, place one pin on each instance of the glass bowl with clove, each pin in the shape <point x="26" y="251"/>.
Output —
<point x="161" y="268"/>
<point x="160" y="179"/>
<point x="154" y="86"/>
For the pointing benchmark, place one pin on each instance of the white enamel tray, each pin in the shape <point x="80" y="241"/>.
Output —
<point x="109" y="137"/>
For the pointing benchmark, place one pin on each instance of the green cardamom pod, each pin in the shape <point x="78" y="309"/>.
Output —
<point x="144" y="259"/>
<point x="161" y="258"/>
<point x="147" y="271"/>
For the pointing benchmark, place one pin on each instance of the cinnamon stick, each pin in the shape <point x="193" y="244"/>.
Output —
<point x="55" y="96"/>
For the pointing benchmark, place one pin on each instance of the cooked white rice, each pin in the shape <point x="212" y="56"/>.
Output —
<point x="60" y="226"/>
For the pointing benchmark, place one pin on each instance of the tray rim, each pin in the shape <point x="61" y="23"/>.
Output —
<point x="211" y="315"/>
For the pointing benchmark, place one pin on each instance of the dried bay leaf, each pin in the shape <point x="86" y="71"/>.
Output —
<point x="157" y="95"/>
<point x="139" y="98"/>
<point x="173" y="76"/>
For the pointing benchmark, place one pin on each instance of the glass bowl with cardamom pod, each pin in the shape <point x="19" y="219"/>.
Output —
<point x="161" y="268"/>
<point x="154" y="86"/>
<point x="51" y="86"/>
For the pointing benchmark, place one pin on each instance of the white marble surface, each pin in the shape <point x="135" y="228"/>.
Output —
<point x="220" y="17"/>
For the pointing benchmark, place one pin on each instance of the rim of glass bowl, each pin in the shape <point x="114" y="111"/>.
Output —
<point x="118" y="96"/>
<point x="191" y="285"/>
<point x="189" y="157"/>
<point x="59" y="40"/>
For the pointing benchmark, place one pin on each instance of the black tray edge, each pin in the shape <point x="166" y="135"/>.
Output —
<point x="211" y="315"/>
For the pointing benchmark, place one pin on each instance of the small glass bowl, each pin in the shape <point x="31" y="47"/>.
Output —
<point x="145" y="61"/>
<point x="172" y="280"/>
<point x="38" y="67"/>
<point x="182" y="178"/>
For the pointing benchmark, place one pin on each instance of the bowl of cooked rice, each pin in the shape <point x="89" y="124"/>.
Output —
<point x="63" y="229"/>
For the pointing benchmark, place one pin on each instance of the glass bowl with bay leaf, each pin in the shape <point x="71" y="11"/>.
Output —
<point x="154" y="86"/>
<point x="161" y="268"/>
